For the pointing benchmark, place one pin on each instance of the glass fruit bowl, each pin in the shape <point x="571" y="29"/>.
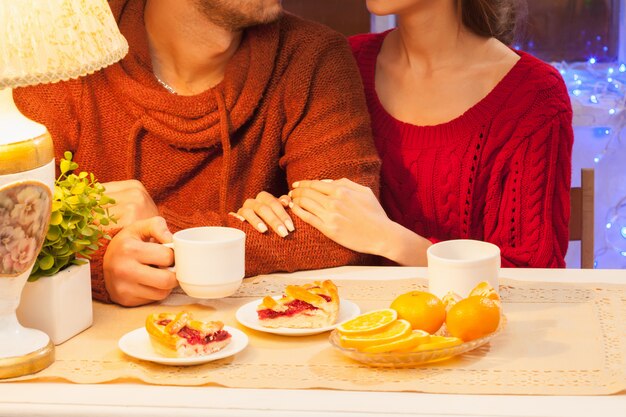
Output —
<point x="404" y="359"/>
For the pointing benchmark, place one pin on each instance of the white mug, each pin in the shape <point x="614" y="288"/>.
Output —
<point x="459" y="265"/>
<point x="209" y="261"/>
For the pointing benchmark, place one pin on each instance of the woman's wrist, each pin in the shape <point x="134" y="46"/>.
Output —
<point x="403" y="246"/>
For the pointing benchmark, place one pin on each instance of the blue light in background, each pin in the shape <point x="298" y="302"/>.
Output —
<point x="601" y="132"/>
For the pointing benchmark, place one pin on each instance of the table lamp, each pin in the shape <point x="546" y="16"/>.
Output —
<point x="42" y="41"/>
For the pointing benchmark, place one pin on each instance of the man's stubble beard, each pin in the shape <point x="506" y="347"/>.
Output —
<point x="236" y="15"/>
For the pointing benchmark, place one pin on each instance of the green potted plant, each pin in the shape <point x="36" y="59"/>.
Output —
<point x="57" y="298"/>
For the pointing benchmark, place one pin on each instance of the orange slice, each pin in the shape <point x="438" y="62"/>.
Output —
<point x="438" y="342"/>
<point x="450" y="299"/>
<point x="396" y="330"/>
<point x="484" y="289"/>
<point x="403" y="344"/>
<point x="368" y="322"/>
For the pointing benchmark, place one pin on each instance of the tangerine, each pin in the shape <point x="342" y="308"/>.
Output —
<point x="423" y="310"/>
<point x="473" y="317"/>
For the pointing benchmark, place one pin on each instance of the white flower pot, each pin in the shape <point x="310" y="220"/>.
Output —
<point x="59" y="305"/>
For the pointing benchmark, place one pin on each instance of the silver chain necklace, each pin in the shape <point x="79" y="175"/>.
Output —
<point x="165" y="85"/>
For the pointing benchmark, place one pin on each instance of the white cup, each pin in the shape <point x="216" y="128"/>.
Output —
<point x="459" y="265"/>
<point x="209" y="261"/>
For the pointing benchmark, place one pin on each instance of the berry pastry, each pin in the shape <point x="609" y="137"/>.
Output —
<point x="305" y="306"/>
<point x="179" y="336"/>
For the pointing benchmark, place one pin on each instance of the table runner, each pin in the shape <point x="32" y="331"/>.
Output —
<point x="560" y="339"/>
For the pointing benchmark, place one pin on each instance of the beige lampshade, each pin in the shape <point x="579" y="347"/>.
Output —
<point x="45" y="41"/>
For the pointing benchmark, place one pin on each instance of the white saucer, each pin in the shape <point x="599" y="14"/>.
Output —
<point x="247" y="316"/>
<point x="137" y="344"/>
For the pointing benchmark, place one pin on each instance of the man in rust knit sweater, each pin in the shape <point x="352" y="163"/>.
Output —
<point x="217" y="102"/>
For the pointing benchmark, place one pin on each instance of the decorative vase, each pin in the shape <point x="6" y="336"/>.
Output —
<point x="24" y="215"/>
<point x="59" y="305"/>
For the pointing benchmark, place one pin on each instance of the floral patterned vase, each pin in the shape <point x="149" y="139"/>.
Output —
<point x="25" y="208"/>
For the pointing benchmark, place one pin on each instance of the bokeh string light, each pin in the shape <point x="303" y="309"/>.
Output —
<point x="598" y="95"/>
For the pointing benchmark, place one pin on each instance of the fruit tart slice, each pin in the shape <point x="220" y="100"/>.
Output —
<point x="307" y="306"/>
<point x="179" y="336"/>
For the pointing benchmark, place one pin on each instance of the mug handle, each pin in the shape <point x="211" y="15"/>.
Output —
<point x="171" y="246"/>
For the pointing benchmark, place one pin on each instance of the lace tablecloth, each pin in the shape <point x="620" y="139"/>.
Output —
<point x="560" y="339"/>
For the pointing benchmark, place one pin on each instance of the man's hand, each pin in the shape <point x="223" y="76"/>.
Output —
<point x="132" y="202"/>
<point x="131" y="263"/>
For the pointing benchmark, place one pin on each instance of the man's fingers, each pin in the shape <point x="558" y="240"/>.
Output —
<point x="131" y="283"/>
<point x="162" y="279"/>
<point x="140" y="295"/>
<point x="152" y="293"/>
<point x="154" y="227"/>
<point x="155" y="254"/>
<point x="117" y="186"/>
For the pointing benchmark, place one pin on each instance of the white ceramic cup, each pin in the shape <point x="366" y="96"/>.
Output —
<point x="459" y="265"/>
<point x="209" y="261"/>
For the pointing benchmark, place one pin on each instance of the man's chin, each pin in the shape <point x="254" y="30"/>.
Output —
<point x="272" y="15"/>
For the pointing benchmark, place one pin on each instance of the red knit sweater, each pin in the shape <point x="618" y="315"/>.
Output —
<point x="290" y="107"/>
<point x="500" y="172"/>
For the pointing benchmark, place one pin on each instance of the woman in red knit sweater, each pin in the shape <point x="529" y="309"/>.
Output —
<point x="475" y="140"/>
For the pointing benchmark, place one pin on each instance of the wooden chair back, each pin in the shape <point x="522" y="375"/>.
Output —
<point x="582" y="216"/>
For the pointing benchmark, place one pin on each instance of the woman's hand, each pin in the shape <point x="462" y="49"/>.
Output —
<point x="266" y="209"/>
<point x="344" y="211"/>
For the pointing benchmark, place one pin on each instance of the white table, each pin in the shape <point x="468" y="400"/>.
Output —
<point x="62" y="399"/>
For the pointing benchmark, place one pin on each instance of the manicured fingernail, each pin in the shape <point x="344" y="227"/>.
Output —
<point x="284" y="201"/>
<point x="295" y="184"/>
<point x="282" y="231"/>
<point x="291" y="204"/>
<point x="290" y="193"/>
<point x="262" y="227"/>
<point x="237" y="216"/>
<point x="289" y="225"/>
<point x="326" y="180"/>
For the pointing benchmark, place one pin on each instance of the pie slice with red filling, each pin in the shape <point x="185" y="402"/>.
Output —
<point x="305" y="306"/>
<point x="179" y="336"/>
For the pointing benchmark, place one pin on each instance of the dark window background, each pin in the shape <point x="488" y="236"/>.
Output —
<point x="572" y="30"/>
<point x="556" y="30"/>
<point x="346" y="16"/>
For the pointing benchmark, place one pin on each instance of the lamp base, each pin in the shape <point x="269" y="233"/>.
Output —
<point x="22" y="350"/>
<point x="29" y="363"/>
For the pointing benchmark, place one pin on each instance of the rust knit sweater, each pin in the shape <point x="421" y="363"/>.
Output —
<point x="290" y="107"/>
